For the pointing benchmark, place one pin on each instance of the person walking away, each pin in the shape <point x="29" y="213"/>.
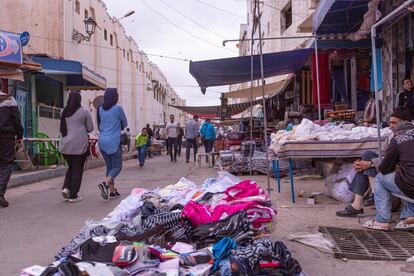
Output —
<point x="11" y="132"/>
<point x="191" y="134"/>
<point x="75" y="124"/>
<point x="405" y="99"/>
<point x="141" y="142"/>
<point x="180" y="139"/>
<point x="111" y="121"/>
<point x="150" y="134"/>
<point x="172" y="133"/>
<point x="208" y="134"/>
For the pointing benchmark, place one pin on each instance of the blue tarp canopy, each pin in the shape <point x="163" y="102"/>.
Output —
<point x="339" y="16"/>
<point x="238" y="69"/>
<point x="78" y="76"/>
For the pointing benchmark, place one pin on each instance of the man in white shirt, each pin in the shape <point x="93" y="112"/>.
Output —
<point x="172" y="133"/>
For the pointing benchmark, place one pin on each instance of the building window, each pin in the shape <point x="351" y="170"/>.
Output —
<point x="111" y="40"/>
<point x="268" y="28"/>
<point x="105" y="35"/>
<point x="123" y="52"/>
<point x="77" y="7"/>
<point x="128" y="56"/>
<point x="286" y="17"/>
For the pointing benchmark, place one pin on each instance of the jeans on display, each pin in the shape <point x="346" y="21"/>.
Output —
<point x="173" y="147"/>
<point x="191" y="143"/>
<point x="384" y="186"/>
<point x="113" y="163"/>
<point x="141" y="154"/>
<point x="5" y="173"/>
<point x="74" y="173"/>
<point x="360" y="183"/>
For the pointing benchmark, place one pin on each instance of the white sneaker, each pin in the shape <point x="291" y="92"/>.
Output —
<point x="79" y="198"/>
<point x="66" y="193"/>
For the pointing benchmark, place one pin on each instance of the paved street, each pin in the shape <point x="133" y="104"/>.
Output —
<point x="38" y="222"/>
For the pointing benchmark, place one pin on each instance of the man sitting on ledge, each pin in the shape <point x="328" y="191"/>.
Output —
<point x="367" y="169"/>
<point x="396" y="176"/>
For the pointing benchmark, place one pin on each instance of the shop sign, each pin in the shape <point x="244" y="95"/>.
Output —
<point x="10" y="48"/>
<point x="24" y="38"/>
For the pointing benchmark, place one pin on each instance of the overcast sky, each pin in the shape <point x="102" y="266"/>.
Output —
<point x="177" y="38"/>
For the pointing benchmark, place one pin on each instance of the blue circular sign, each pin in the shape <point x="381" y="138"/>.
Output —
<point x="24" y="38"/>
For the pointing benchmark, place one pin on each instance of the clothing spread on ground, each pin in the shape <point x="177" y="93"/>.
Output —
<point x="222" y="226"/>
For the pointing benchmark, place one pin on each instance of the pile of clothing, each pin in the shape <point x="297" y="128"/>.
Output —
<point x="221" y="227"/>
<point x="259" y="162"/>
<point x="309" y="131"/>
<point x="241" y="163"/>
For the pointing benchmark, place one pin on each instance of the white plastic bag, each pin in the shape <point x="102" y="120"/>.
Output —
<point x="337" y="183"/>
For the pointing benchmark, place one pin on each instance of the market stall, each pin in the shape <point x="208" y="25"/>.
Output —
<point x="312" y="141"/>
<point x="222" y="226"/>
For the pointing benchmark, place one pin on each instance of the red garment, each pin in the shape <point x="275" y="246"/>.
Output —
<point x="245" y="188"/>
<point x="324" y="80"/>
<point x="196" y="213"/>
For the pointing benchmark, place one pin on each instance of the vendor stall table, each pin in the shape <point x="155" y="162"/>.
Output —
<point x="319" y="150"/>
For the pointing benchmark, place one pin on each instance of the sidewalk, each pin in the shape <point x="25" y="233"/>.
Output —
<point x="20" y="178"/>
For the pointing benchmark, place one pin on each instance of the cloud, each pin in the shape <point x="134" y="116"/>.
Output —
<point x="155" y="35"/>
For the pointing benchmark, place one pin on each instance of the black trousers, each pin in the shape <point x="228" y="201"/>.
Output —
<point x="360" y="183"/>
<point x="73" y="178"/>
<point x="191" y="143"/>
<point x="172" y="142"/>
<point x="179" y="145"/>
<point x="208" y="146"/>
<point x="5" y="173"/>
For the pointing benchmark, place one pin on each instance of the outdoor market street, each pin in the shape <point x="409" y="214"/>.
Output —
<point x="38" y="223"/>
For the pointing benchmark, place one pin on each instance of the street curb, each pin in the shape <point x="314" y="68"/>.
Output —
<point x="33" y="177"/>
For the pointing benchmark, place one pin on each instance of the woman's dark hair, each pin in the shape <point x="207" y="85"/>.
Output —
<point x="73" y="104"/>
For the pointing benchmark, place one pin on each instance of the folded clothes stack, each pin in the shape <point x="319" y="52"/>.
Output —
<point x="221" y="227"/>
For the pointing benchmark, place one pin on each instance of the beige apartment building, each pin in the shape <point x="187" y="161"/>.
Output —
<point x="281" y="18"/>
<point x="112" y="57"/>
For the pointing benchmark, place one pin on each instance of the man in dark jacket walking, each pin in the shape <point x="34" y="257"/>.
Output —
<point x="11" y="130"/>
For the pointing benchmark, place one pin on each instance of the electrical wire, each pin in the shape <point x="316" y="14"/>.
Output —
<point x="108" y="47"/>
<point x="185" y="30"/>
<point x="195" y="22"/>
<point x="220" y="9"/>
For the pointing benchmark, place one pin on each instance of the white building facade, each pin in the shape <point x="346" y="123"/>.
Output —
<point x="144" y="91"/>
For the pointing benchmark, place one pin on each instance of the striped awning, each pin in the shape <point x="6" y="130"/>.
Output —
<point x="270" y="89"/>
<point x="215" y="111"/>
